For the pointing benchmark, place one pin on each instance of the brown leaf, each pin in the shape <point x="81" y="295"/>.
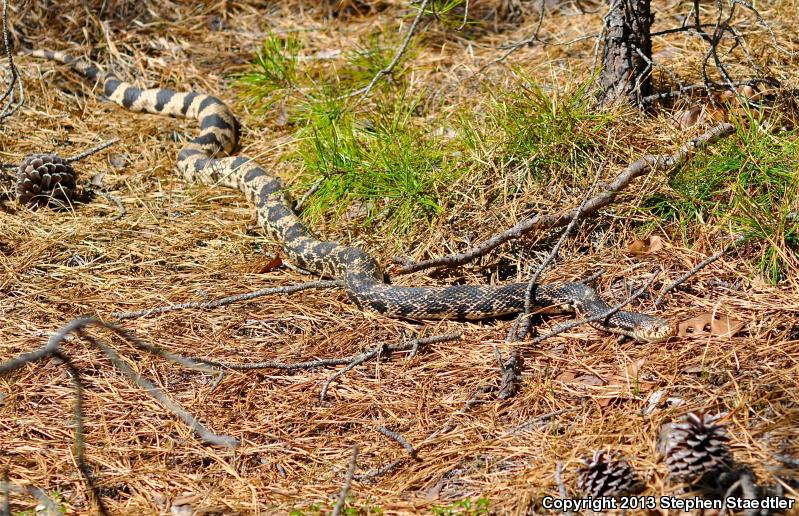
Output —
<point x="633" y="369"/>
<point x="648" y="245"/>
<point x="689" y="117"/>
<point x="708" y="324"/>
<point x="566" y="376"/>
<point x="589" y="379"/>
<point x="264" y="266"/>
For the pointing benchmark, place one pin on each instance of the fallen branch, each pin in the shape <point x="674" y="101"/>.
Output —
<point x="287" y="289"/>
<point x="48" y="506"/>
<point x="80" y="448"/>
<point x="538" y="419"/>
<point x="72" y="159"/>
<point x="160" y="396"/>
<point x="121" y="211"/>
<point x="197" y="362"/>
<point x="312" y="190"/>
<point x="648" y="163"/>
<point x="93" y="150"/>
<point x="360" y="359"/>
<point x="379" y="472"/>
<point x="53" y="349"/>
<point x="342" y="497"/>
<point x="511" y="375"/>
<point x="5" y="490"/>
<point x="447" y="427"/>
<point x="397" y="437"/>
<point x="697" y="87"/>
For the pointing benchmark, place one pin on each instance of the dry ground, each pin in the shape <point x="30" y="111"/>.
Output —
<point x="182" y="242"/>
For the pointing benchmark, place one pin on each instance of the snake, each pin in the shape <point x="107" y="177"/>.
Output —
<point x="209" y="159"/>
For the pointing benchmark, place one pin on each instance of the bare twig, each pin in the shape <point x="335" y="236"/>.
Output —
<point x="342" y="497"/>
<point x="698" y="267"/>
<point x="697" y="87"/>
<point x="160" y="396"/>
<point x="648" y="163"/>
<point x="363" y="357"/>
<point x="48" y="506"/>
<point x="287" y="289"/>
<point x="76" y="157"/>
<point x="312" y="190"/>
<point x="513" y="47"/>
<point x="53" y="349"/>
<point x="598" y="43"/>
<point x="384" y="348"/>
<point x="593" y="277"/>
<point x="195" y="362"/>
<point x="80" y="448"/>
<point x="379" y="472"/>
<point x="388" y="70"/>
<point x="397" y="437"/>
<point x="5" y="491"/>
<point x="93" y="150"/>
<point x="121" y="211"/>
<point x="538" y="419"/>
<point x="511" y="375"/>
<point x="561" y="486"/>
<point x="11" y="102"/>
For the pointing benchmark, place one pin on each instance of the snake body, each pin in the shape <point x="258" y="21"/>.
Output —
<point x="206" y="159"/>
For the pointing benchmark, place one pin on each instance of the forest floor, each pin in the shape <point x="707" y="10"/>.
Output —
<point x="448" y="151"/>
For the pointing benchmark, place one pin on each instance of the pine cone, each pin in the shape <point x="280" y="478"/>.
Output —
<point x="697" y="446"/>
<point x="607" y="474"/>
<point x="42" y="178"/>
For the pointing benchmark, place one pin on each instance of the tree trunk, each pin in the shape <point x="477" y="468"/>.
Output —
<point x="625" y="72"/>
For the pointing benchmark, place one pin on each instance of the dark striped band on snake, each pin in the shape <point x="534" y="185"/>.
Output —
<point x="206" y="159"/>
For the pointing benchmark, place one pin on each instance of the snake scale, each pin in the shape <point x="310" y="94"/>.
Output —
<point x="206" y="159"/>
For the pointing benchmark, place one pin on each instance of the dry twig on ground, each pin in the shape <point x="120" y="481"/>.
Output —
<point x="388" y="70"/>
<point x="11" y="102"/>
<point x="397" y="437"/>
<point x="288" y="289"/>
<point x="342" y="497"/>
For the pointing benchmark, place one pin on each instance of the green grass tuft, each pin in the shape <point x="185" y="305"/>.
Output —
<point x="274" y="71"/>
<point x="547" y="133"/>
<point x="380" y="162"/>
<point x="750" y="184"/>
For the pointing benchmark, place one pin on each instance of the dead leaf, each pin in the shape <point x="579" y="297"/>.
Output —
<point x="270" y="265"/>
<point x="97" y="179"/>
<point x="282" y="118"/>
<point x="589" y="379"/>
<point x="708" y="324"/>
<point x="689" y="117"/>
<point x="648" y="245"/>
<point x="654" y="401"/>
<point x="633" y="369"/>
<point x="566" y="377"/>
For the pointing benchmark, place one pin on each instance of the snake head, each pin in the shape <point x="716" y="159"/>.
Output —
<point x="653" y="330"/>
